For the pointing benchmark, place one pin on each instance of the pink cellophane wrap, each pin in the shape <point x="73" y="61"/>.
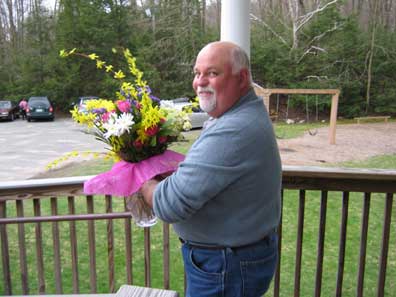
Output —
<point x="126" y="178"/>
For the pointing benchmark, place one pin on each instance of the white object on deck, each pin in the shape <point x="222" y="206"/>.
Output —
<point x="134" y="291"/>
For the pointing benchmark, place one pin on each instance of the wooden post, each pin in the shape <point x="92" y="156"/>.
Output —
<point x="266" y="99"/>
<point x="333" y="118"/>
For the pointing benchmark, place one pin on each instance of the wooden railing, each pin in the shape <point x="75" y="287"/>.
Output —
<point x="54" y="239"/>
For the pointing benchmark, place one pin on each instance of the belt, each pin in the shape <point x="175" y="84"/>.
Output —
<point x="219" y="247"/>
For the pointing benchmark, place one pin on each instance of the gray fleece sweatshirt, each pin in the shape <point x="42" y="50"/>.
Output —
<point x="227" y="191"/>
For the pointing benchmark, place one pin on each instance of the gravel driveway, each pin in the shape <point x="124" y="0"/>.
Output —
<point x="26" y="148"/>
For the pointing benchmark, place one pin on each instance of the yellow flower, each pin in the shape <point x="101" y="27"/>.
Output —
<point x="142" y="136"/>
<point x="187" y="126"/>
<point x="100" y="103"/>
<point x="128" y="88"/>
<point x="65" y="54"/>
<point x="109" y="68"/>
<point x="99" y="64"/>
<point x="87" y="119"/>
<point x="74" y="153"/>
<point x="119" y="74"/>
<point x="151" y="115"/>
<point x="93" y="56"/>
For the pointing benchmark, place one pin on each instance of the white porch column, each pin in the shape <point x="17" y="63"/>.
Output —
<point x="235" y="23"/>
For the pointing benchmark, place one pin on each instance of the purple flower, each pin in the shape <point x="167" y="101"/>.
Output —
<point x="155" y="99"/>
<point x="99" y="110"/>
<point x="146" y="90"/>
<point x="137" y="104"/>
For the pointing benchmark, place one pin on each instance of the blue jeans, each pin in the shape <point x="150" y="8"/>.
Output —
<point x="230" y="272"/>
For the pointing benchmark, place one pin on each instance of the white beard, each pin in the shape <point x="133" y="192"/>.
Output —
<point x="207" y="104"/>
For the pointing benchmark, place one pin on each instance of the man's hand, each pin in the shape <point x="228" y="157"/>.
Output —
<point x="147" y="191"/>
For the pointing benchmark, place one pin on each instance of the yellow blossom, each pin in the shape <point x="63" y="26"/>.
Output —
<point x="119" y="74"/>
<point x="128" y="88"/>
<point x="99" y="64"/>
<point x="142" y="136"/>
<point x="63" y="53"/>
<point x="93" y="56"/>
<point x="73" y="153"/>
<point x="151" y="115"/>
<point x="150" y="120"/>
<point x="87" y="119"/>
<point x="109" y="68"/>
<point x="100" y="103"/>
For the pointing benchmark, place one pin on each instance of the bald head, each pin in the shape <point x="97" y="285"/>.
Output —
<point x="233" y="53"/>
<point x="222" y="76"/>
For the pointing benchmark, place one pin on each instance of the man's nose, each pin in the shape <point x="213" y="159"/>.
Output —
<point x="201" y="80"/>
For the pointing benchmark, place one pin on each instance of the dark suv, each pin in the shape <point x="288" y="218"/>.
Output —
<point x="39" y="108"/>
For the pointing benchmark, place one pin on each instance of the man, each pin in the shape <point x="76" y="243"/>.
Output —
<point x="224" y="199"/>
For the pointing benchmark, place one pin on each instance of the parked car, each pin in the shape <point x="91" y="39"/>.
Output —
<point x="8" y="110"/>
<point x="39" y="108"/>
<point x="197" y="116"/>
<point x="82" y="103"/>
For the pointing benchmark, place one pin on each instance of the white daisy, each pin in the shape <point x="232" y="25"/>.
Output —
<point x="124" y="123"/>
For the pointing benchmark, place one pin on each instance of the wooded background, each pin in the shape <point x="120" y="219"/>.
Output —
<point x="349" y="45"/>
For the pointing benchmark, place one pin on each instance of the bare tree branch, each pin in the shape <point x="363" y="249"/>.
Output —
<point x="299" y="21"/>
<point x="257" y="19"/>
<point x="309" y="51"/>
<point x="305" y="18"/>
<point x="318" y="37"/>
<point x="317" y="77"/>
<point x="279" y="19"/>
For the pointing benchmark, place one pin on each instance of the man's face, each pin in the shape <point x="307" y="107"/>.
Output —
<point x="216" y="87"/>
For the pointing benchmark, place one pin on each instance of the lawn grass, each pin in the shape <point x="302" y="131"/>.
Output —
<point x="286" y="131"/>
<point x="380" y="162"/>
<point x="289" y="222"/>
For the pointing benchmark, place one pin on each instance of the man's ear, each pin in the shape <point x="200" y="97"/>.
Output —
<point x="244" y="78"/>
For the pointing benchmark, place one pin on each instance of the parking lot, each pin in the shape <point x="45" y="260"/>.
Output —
<point x="26" y="148"/>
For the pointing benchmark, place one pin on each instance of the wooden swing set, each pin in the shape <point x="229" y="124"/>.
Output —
<point x="266" y="93"/>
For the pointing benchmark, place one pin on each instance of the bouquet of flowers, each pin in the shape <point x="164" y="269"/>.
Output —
<point x="137" y="129"/>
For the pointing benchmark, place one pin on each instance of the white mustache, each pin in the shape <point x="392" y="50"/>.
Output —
<point x="205" y="89"/>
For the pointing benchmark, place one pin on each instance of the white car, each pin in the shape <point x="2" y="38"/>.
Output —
<point x="197" y="117"/>
<point x="82" y="103"/>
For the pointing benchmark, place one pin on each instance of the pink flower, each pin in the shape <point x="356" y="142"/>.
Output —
<point x="106" y="116"/>
<point x="162" y="139"/>
<point x="138" y="144"/>
<point x="151" y="131"/>
<point x="123" y="105"/>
